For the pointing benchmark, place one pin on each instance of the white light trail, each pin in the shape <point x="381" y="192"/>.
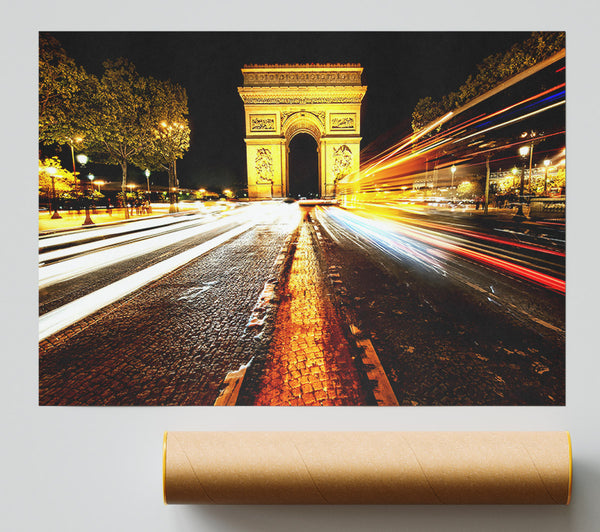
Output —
<point x="69" y="268"/>
<point x="56" y="320"/>
<point x="518" y="119"/>
<point x="91" y="246"/>
<point x="122" y="227"/>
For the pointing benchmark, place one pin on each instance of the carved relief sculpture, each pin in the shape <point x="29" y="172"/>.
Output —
<point x="342" y="161"/>
<point x="342" y="122"/>
<point x="264" y="165"/>
<point x="260" y="123"/>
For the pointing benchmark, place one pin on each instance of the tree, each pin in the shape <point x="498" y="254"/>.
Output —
<point x="119" y="115"/>
<point x="61" y="86"/>
<point x="169" y="135"/>
<point x="54" y="180"/>
<point x="492" y="71"/>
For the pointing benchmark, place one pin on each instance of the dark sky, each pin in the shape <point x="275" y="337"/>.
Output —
<point x="399" y="69"/>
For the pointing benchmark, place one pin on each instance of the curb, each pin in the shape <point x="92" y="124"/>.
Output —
<point x="261" y="323"/>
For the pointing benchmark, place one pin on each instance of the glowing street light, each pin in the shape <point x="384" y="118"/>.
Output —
<point x="147" y="174"/>
<point x="546" y="164"/>
<point x="453" y="171"/>
<point x="174" y="131"/>
<point x="82" y="159"/>
<point x="71" y="142"/>
<point x="523" y="151"/>
<point x="52" y="170"/>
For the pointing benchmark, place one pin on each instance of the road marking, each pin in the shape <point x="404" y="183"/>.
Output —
<point x="233" y="381"/>
<point x="382" y="391"/>
<point x="60" y="318"/>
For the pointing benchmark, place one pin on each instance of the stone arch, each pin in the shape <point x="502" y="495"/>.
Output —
<point x="282" y="101"/>
<point x="302" y="122"/>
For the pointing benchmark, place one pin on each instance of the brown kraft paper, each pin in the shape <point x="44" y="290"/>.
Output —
<point x="367" y="468"/>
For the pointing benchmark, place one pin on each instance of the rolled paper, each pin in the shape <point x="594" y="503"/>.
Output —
<point x="367" y="467"/>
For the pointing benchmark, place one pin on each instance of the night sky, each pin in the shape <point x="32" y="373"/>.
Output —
<point x="399" y="69"/>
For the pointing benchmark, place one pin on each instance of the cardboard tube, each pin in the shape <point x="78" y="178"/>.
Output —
<point x="367" y="468"/>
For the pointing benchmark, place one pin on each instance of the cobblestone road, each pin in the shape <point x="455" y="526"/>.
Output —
<point x="172" y="342"/>
<point x="309" y="361"/>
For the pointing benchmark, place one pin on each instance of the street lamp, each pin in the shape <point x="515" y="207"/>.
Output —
<point x="453" y="170"/>
<point x="71" y="141"/>
<point x="147" y="174"/>
<point x="52" y="170"/>
<point x="82" y="159"/>
<point x="514" y="173"/>
<point x="531" y="135"/>
<point x="546" y="164"/>
<point x="172" y="131"/>
<point x="523" y="151"/>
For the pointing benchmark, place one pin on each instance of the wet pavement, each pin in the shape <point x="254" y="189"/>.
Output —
<point x="309" y="361"/>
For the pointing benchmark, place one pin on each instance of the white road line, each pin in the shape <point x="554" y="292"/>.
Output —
<point x="56" y="320"/>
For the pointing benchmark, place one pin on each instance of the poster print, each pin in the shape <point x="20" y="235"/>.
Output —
<point x="302" y="218"/>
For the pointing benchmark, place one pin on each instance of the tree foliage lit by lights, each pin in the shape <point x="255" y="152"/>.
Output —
<point x="63" y="179"/>
<point x="118" y="116"/>
<point x="492" y="71"/>
<point x="61" y="86"/>
<point x="170" y="134"/>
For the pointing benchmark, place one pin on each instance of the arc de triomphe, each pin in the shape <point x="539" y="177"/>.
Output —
<point x="281" y="101"/>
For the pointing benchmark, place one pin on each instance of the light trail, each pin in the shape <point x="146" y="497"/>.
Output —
<point x="60" y="318"/>
<point x="414" y="244"/>
<point x="115" y="240"/>
<point x="444" y="149"/>
<point x="71" y="237"/>
<point x="474" y="234"/>
<point x="518" y="119"/>
<point x="73" y="267"/>
<point x="436" y="142"/>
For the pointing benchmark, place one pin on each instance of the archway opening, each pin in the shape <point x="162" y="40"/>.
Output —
<point x="303" y="167"/>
